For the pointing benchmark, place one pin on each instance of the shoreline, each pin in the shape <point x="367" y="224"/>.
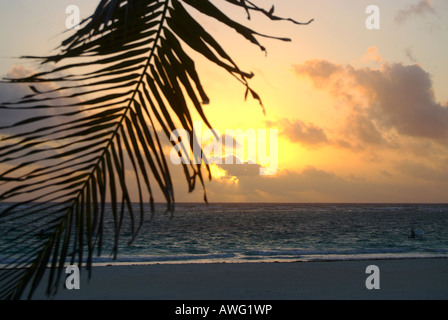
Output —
<point x="399" y="279"/>
<point x="224" y="261"/>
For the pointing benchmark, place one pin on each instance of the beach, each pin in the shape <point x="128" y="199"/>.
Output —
<point x="399" y="279"/>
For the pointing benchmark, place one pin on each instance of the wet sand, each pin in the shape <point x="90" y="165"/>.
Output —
<point x="406" y="279"/>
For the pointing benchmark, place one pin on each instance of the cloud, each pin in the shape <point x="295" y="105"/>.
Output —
<point x="320" y="72"/>
<point x="297" y="131"/>
<point x="287" y="185"/>
<point x="410" y="54"/>
<point x="402" y="98"/>
<point x="395" y="99"/>
<point x="13" y="92"/>
<point x="371" y="55"/>
<point x="312" y="184"/>
<point x="423" y="171"/>
<point x="358" y="125"/>
<point x="42" y="145"/>
<point x="421" y="8"/>
<point x="237" y="168"/>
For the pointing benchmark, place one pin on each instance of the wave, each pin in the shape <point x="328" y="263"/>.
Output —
<point x="263" y="256"/>
<point x="283" y="255"/>
<point x="167" y="258"/>
<point x="273" y="256"/>
<point x="301" y="252"/>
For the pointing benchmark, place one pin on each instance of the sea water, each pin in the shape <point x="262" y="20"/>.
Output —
<point x="278" y="232"/>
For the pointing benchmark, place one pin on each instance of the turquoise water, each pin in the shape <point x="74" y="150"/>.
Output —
<point x="273" y="232"/>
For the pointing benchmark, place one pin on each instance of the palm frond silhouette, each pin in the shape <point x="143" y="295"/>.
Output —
<point x="124" y="81"/>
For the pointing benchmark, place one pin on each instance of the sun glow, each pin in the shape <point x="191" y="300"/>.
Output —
<point x="221" y="175"/>
<point x="217" y="172"/>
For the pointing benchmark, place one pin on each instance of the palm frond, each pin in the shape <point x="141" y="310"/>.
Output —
<point x="125" y="81"/>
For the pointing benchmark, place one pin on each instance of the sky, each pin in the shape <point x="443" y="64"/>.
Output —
<point x="361" y="113"/>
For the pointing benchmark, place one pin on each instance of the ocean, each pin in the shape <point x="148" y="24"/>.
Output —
<point x="262" y="232"/>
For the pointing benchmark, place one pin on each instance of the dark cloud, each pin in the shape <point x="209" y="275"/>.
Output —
<point x="423" y="171"/>
<point x="421" y="8"/>
<point x="14" y="92"/>
<point x="359" y="125"/>
<point x="11" y="93"/>
<point x="315" y="185"/>
<point x="287" y="185"/>
<point x="396" y="98"/>
<point x="410" y="54"/>
<point x="238" y="168"/>
<point x="42" y="145"/>
<point x="318" y="175"/>
<point x="402" y="97"/>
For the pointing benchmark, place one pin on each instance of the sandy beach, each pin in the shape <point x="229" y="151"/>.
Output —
<point x="406" y="279"/>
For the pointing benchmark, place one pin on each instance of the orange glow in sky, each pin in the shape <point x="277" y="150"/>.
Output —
<point x="361" y="114"/>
